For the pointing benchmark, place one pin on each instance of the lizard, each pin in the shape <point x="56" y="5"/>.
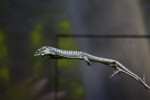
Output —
<point x="55" y="53"/>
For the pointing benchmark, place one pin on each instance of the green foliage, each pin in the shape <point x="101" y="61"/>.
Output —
<point x="36" y="35"/>
<point x="78" y="90"/>
<point x="64" y="27"/>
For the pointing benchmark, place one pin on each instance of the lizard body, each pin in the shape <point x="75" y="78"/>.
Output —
<point x="59" y="54"/>
<point x="55" y="53"/>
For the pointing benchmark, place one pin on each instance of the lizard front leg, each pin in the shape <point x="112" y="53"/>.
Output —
<point x="87" y="60"/>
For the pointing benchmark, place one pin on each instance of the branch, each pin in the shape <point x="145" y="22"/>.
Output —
<point x="119" y="70"/>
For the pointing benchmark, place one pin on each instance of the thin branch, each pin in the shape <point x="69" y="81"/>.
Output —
<point x="115" y="72"/>
<point x="142" y="81"/>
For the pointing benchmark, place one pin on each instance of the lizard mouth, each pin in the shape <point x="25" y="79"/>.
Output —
<point x="38" y="54"/>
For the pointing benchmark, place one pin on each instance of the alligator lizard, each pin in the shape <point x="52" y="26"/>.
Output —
<point x="55" y="53"/>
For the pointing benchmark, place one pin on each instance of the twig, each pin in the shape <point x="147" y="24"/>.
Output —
<point x="119" y="70"/>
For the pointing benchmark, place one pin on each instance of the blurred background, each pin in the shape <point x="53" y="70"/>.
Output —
<point x="26" y="25"/>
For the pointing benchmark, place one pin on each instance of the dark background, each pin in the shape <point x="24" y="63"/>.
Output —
<point x="26" y="25"/>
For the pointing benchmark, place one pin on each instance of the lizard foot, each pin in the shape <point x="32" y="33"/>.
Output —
<point x="88" y="61"/>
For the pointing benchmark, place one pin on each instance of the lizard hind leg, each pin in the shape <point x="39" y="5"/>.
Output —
<point x="87" y="60"/>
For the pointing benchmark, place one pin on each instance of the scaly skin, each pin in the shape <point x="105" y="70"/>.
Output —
<point x="59" y="53"/>
<point x="55" y="53"/>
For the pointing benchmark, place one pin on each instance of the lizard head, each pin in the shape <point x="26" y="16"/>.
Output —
<point x="45" y="50"/>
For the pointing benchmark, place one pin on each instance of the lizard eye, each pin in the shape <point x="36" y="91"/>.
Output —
<point x="38" y="50"/>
